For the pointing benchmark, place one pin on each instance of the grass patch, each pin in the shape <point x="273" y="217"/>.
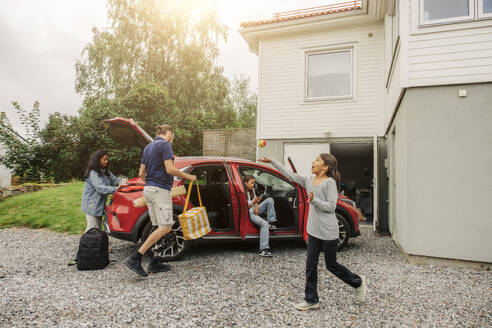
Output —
<point x="57" y="209"/>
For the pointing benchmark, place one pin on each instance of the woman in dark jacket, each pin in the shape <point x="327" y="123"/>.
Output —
<point x="99" y="182"/>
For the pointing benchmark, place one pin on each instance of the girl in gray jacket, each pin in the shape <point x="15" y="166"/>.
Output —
<point x="322" y="227"/>
<point x="99" y="182"/>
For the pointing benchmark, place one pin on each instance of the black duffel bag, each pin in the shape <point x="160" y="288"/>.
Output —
<point x="93" y="250"/>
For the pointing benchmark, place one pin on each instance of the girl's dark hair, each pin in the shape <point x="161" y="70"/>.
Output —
<point x="95" y="164"/>
<point x="246" y="178"/>
<point x="332" y="164"/>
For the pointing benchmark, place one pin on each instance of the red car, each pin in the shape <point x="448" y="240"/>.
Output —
<point x="223" y="194"/>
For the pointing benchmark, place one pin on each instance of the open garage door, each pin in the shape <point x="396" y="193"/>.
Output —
<point x="356" y="166"/>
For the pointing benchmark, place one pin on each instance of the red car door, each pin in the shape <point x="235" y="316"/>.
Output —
<point x="241" y="203"/>
<point x="303" y="205"/>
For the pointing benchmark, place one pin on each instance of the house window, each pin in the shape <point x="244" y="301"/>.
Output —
<point x="444" y="11"/>
<point x="329" y="75"/>
<point x="447" y="11"/>
<point x="484" y="8"/>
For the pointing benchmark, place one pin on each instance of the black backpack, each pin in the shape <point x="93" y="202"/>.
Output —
<point x="93" y="250"/>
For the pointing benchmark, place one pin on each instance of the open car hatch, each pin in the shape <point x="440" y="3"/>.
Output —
<point x="127" y="132"/>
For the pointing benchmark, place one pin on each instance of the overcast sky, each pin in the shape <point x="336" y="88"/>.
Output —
<point x="40" y="41"/>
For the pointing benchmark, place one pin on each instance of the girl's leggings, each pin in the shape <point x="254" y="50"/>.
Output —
<point x="330" y="248"/>
<point x="93" y="222"/>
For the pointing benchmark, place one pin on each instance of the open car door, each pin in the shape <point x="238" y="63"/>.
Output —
<point x="291" y="165"/>
<point x="127" y="132"/>
<point x="302" y="197"/>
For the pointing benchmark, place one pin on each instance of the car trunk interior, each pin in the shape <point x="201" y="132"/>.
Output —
<point x="126" y="135"/>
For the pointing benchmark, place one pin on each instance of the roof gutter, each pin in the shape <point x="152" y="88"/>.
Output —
<point x="252" y="34"/>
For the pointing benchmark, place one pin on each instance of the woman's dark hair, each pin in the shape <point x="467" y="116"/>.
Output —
<point x="95" y="164"/>
<point x="332" y="164"/>
<point x="246" y="178"/>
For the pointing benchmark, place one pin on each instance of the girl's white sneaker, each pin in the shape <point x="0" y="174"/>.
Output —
<point x="303" y="306"/>
<point x="360" y="292"/>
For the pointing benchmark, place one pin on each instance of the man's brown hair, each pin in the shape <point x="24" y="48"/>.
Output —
<point x="163" y="128"/>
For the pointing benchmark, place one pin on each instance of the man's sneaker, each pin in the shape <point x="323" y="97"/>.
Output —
<point x="265" y="253"/>
<point x="272" y="227"/>
<point x="360" y="292"/>
<point x="303" y="306"/>
<point x="135" y="266"/>
<point x="155" y="267"/>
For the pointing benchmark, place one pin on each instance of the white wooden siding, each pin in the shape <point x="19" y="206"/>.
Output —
<point x="282" y="110"/>
<point x="392" y="92"/>
<point x="448" y="54"/>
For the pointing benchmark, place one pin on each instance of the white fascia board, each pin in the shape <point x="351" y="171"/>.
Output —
<point x="350" y="18"/>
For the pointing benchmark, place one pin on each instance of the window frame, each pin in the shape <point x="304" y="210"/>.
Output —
<point x="480" y="12"/>
<point x="470" y="16"/>
<point x="307" y="53"/>
<point x="243" y="167"/>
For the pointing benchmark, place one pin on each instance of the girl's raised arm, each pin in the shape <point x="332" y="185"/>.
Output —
<point x="300" y="179"/>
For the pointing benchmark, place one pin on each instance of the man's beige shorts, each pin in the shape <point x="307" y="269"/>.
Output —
<point x="160" y="206"/>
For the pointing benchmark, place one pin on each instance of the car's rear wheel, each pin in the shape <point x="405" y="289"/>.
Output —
<point x="343" y="230"/>
<point x="170" y="247"/>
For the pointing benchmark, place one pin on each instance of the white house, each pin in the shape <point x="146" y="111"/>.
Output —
<point x="400" y="91"/>
<point x="5" y="174"/>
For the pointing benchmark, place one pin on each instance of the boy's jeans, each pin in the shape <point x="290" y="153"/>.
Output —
<point x="267" y="206"/>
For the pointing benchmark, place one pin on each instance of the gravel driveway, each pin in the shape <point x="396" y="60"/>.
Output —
<point x="228" y="285"/>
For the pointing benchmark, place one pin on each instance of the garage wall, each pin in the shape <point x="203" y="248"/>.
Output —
<point x="398" y="187"/>
<point x="447" y="151"/>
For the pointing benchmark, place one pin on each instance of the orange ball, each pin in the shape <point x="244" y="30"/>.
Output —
<point x="262" y="143"/>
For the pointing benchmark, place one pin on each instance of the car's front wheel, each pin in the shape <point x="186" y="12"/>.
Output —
<point x="170" y="247"/>
<point x="343" y="231"/>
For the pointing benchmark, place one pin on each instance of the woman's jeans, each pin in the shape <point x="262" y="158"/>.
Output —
<point x="267" y="206"/>
<point x="330" y="248"/>
<point x="93" y="222"/>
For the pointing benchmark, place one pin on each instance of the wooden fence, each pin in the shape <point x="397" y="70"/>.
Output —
<point x="239" y="143"/>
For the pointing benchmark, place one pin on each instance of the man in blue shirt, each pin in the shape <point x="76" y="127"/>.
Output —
<point x="157" y="171"/>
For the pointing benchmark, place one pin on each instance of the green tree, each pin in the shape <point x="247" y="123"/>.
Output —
<point x="61" y="148"/>
<point x="171" y="44"/>
<point x="244" y="101"/>
<point x="148" y="104"/>
<point x="24" y="155"/>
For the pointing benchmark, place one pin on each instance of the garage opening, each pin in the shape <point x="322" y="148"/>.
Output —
<point x="355" y="163"/>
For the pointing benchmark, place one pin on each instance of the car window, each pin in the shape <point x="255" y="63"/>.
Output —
<point x="266" y="178"/>
<point x="202" y="177"/>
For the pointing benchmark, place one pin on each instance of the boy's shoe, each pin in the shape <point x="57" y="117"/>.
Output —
<point x="135" y="266"/>
<point x="272" y="227"/>
<point x="155" y="267"/>
<point x="265" y="253"/>
<point x="360" y="292"/>
<point x="303" y="306"/>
